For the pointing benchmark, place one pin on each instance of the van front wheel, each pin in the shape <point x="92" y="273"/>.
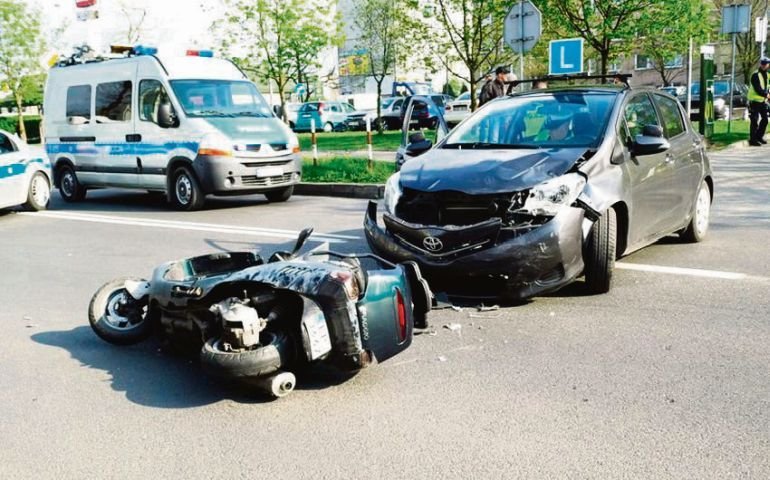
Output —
<point x="186" y="193"/>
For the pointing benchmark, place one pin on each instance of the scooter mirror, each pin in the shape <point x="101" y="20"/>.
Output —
<point x="301" y="239"/>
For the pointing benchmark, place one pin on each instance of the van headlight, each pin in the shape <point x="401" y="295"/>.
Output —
<point x="293" y="143"/>
<point x="551" y="196"/>
<point x="392" y="193"/>
<point x="216" y="144"/>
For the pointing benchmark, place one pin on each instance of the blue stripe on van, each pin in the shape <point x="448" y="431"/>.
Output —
<point x="119" y="148"/>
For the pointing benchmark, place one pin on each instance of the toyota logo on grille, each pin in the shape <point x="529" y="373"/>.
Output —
<point x="433" y="244"/>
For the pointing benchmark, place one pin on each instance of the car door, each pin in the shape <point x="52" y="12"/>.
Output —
<point x="650" y="176"/>
<point x="685" y="157"/>
<point x="113" y="113"/>
<point x="12" y="170"/>
<point x="413" y="135"/>
<point x="153" y="142"/>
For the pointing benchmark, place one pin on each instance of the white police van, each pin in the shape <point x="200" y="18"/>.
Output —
<point x="188" y="126"/>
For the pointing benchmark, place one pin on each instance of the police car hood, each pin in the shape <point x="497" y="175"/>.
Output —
<point x="251" y="130"/>
<point x="479" y="172"/>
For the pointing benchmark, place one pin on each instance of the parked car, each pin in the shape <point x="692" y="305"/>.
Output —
<point x="538" y="188"/>
<point x="291" y="113"/>
<point x="329" y="117"/>
<point x="25" y="174"/>
<point x="391" y="112"/>
<point x="674" y="90"/>
<point x="429" y="112"/>
<point x="458" y="109"/>
<point x="721" y="98"/>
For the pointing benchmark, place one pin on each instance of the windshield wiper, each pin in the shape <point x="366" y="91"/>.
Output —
<point x="213" y="113"/>
<point x="251" y="113"/>
<point x="487" y="145"/>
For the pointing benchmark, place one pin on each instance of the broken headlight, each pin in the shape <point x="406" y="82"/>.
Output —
<point x="392" y="193"/>
<point x="551" y="196"/>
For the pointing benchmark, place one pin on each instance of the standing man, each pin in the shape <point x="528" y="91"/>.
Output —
<point x="758" y="96"/>
<point x="495" y="88"/>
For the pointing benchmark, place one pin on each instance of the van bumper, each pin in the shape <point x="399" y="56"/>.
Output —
<point x="221" y="175"/>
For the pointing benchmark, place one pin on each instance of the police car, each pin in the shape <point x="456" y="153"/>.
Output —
<point x="25" y="175"/>
<point x="187" y="126"/>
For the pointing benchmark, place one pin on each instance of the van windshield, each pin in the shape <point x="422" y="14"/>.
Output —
<point x="220" y="98"/>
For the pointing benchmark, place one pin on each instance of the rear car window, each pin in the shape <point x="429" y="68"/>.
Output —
<point x="309" y="107"/>
<point x="6" y="145"/>
<point x="673" y="124"/>
<point x="79" y="101"/>
<point x="639" y="112"/>
<point x="113" y="102"/>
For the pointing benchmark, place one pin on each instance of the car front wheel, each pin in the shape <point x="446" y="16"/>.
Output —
<point x="599" y="253"/>
<point x="39" y="193"/>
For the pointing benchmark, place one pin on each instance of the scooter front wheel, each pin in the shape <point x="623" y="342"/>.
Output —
<point x="116" y="316"/>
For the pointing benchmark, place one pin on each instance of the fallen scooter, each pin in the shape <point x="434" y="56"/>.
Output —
<point x="257" y="322"/>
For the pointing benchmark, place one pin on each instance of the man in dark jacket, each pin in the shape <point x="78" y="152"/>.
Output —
<point x="758" y="96"/>
<point x="494" y="88"/>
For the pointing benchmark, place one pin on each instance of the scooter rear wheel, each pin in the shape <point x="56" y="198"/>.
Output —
<point x="274" y="352"/>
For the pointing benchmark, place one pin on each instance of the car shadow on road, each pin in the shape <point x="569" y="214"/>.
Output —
<point x="153" y="377"/>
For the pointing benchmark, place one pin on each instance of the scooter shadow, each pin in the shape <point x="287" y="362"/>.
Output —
<point x="150" y="376"/>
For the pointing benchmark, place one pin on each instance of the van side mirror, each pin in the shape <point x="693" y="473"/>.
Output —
<point x="166" y="116"/>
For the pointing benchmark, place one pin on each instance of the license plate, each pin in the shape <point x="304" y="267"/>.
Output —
<point x="269" y="171"/>
<point x="317" y="333"/>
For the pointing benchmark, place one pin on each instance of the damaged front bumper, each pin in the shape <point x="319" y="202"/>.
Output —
<point x="529" y="262"/>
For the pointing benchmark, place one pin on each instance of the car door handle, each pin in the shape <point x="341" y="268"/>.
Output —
<point x="133" y="137"/>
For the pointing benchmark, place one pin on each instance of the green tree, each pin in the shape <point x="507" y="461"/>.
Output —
<point x="669" y="28"/>
<point x="469" y="32"/>
<point x="609" y="27"/>
<point x="21" y="47"/>
<point x="746" y="48"/>
<point x="279" y="40"/>
<point x="382" y="28"/>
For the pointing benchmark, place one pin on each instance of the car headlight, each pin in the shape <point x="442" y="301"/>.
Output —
<point x="293" y="143"/>
<point x="216" y="144"/>
<point x="719" y="103"/>
<point x="551" y="196"/>
<point x="392" y="193"/>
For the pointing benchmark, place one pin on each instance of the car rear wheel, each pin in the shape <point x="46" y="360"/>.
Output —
<point x="39" y="193"/>
<point x="281" y="195"/>
<point x="699" y="223"/>
<point x="186" y="193"/>
<point x="599" y="253"/>
<point x="328" y="127"/>
<point x="69" y="187"/>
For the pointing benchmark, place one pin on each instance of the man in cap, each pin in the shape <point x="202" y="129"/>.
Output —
<point x="758" y="96"/>
<point x="495" y="88"/>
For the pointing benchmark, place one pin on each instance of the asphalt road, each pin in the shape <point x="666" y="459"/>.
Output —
<point x="664" y="377"/>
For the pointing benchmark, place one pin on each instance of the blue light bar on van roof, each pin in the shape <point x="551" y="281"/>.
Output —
<point x="200" y="53"/>
<point x="145" y="50"/>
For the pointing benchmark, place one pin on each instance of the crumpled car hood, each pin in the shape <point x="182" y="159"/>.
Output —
<point x="478" y="172"/>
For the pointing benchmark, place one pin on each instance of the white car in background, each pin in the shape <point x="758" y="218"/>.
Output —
<point x="25" y="174"/>
<point x="458" y="109"/>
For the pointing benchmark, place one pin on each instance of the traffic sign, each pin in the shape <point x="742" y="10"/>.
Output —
<point x="736" y="18"/>
<point x="565" y="56"/>
<point x="300" y="89"/>
<point x="522" y="27"/>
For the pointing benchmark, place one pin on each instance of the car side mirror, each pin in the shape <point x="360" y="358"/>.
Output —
<point x="418" y="145"/>
<point x="416" y="137"/>
<point x="166" y="116"/>
<point x="649" y="144"/>
<point x="652" y="131"/>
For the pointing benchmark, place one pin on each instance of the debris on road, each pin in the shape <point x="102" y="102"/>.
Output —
<point x="453" y="327"/>
<point x="478" y="315"/>
<point x="442" y="358"/>
<point x="490" y="308"/>
<point x="431" y="332"/>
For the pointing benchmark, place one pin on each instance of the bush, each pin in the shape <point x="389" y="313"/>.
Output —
<point x="31" y="123"/>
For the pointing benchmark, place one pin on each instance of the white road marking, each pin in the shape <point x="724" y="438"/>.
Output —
<point x="692" y="272"/>
<point x="177" y="225"/>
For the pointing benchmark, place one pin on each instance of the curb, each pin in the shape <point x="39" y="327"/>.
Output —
<point x="346" y="190"/>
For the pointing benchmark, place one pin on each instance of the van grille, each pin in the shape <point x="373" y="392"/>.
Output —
<point x="277" y="163"/>
<point x="253" y="180"/>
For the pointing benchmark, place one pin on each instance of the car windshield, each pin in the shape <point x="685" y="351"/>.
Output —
<point x="545" y="120"/>
<point x="387" y="102"/>
<point x="220" y="98"/>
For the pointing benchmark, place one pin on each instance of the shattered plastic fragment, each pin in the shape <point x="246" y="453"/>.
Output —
<point x="454" y="327"/>
<point x="488" y="309"/>
<point x="442" y="358"/>
<point x="478" y="315"/>
<point x="456" y="308"/>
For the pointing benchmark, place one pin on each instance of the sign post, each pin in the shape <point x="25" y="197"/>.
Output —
<point x="735" y="19"/>
<point x="521" y="30"/>
<point x="706" y="99"/>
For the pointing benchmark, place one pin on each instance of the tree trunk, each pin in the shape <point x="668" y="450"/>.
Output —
<point x="605" y="56"/>
<point x="473" y="87"/>
<point x="380" y="126"/>
<point x="22" y="128"/>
